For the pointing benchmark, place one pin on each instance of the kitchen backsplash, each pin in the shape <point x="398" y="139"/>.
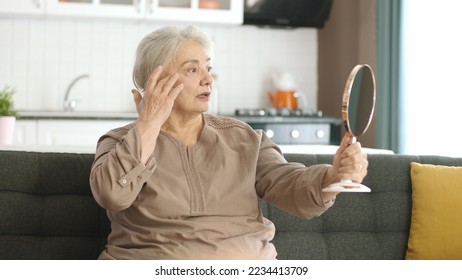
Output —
<point x="40" y="58"/>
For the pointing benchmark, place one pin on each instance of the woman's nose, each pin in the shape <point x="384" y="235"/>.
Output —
<point x="207" y="79"/>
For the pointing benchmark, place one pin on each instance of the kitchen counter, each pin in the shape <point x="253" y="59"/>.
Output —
<point x="87" y="115"/>
<point x="288" y="119"/>
<point x="82" y="129"/>
<point x="59" y="115"/>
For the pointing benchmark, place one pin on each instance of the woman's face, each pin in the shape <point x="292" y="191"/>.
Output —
<point x="193" y="64"/>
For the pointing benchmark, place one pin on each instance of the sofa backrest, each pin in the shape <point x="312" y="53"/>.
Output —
<point x="47" y="211"/>
<point x="360" y="225"/>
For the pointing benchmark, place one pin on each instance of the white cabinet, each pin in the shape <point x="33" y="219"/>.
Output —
<point x="25" y="133"/>
<point x="189" y="11"/>
<point x="97" y="8"/>
<point x="25" y="7"/>
<point x="217" y="11"/>
<point x="71" y="133"/>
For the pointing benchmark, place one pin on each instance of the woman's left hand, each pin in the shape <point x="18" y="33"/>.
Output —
<point x="350" y="162"/>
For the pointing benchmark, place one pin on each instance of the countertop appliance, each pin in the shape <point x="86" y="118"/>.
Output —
<point x="293" y="127"/>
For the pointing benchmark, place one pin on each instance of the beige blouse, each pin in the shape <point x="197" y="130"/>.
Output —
<point x="199" y="201"/>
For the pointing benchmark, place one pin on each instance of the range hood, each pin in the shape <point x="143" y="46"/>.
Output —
<point x="284" y="13"/>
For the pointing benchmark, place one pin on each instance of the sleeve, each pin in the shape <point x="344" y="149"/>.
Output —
<point x="292" y="187"/>
<point x="117" y="174"/>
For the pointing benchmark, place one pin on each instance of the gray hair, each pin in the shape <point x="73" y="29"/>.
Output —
<point x="160" y="47"/>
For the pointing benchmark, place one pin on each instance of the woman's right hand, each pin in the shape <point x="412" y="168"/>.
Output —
<point x="154" y="108"/>
<point x="159" y="96"/>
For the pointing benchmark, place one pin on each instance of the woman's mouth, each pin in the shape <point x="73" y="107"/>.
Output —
<point x="205" y="96"/>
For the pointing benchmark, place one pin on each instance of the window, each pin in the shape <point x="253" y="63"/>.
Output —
<point x="431" y="81"/>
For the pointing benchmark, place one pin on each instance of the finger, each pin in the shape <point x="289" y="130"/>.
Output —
<point x="153" y="79"/>
<point x="176" y="91"/>
<point x="344" y="143"/>
<point x="354" y="176"/>
<point x="353" y="154"/>
<point x="353" y="164"/>
<point x="165" y="83"/>
<point x="346" y="140"/>
<point x="167" y="87"/>
<point x="356" y="166"/>
<point x="354" y="158"/>
<point x="339" y="153"/>
<point x="352" y="149"/>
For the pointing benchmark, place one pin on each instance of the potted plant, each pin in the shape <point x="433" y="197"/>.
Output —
<point x="7" y="116"/>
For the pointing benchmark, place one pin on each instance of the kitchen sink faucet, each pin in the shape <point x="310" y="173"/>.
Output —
<point x="71" y="104"/>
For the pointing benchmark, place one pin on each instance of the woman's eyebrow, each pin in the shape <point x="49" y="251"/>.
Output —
<point x="190" y="61"/>
<point x="194" y="61"/>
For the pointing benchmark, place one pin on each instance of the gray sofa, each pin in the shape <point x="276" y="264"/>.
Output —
<point x="47" y="211"/>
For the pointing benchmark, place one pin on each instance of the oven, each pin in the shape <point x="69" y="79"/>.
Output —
<point x="293" y="127"/>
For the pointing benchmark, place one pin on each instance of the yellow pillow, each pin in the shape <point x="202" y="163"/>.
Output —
<point x="436" y="223"/>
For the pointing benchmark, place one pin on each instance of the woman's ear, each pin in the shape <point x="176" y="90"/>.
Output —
<point x="137" y="98"/>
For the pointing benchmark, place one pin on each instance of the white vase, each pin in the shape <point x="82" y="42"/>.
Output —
<point x="7" y="130"/>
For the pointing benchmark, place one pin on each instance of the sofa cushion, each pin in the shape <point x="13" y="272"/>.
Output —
<point x="436" y="209"/>
<point x="360" y="225"/>
<point x="47" y="209"/>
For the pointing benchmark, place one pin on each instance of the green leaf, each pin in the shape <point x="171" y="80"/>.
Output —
<point x="6" y="102"/>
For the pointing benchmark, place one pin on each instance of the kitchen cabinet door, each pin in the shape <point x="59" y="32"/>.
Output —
<point x="97" y="8"/>
<point x="24" y="7"/>
<point x="25" y="133"/>
<point x="74" y="133"/>
<point x="205" y="11"/>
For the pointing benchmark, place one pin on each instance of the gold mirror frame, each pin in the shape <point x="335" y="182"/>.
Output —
<point x="366" y="111"/>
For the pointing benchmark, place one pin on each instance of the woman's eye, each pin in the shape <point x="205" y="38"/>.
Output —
<point x="192" y="70"/>
<point x="209" y="69"/>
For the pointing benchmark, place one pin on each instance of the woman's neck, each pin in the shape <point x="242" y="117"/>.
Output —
<point x="187" y="129"/>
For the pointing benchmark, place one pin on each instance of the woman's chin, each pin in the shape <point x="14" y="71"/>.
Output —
<point x="204" y="107"/>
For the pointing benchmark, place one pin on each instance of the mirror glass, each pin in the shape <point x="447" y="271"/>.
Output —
<point x="359" y="100"/>
<point x="357" y="112"/>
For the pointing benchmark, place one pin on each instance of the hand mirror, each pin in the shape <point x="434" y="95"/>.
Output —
<point x="357" y="110"/>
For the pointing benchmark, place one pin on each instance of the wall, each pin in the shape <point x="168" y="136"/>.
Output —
<point x="348" y="38"/>
<point x="41" y="56"/>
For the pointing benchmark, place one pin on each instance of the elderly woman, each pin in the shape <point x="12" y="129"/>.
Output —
<point x="182" y="184"/>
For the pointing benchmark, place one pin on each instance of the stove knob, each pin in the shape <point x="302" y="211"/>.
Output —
<point x="272" y="112"/>
<point x="270" y="133"/>
<point x="320" y="133"/>
<point x="261" y="113"/>
<point x="298" y="113"/>
<point x="285" y="112"/>
<point x="295" y="134"/>
<point x="240" y="112"/>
